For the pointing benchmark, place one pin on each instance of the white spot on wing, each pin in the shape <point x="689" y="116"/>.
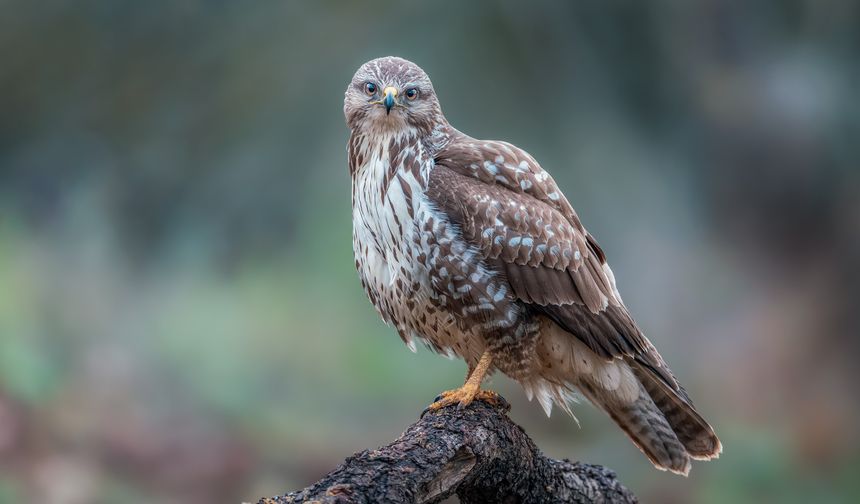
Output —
<point x="500" y="294"/>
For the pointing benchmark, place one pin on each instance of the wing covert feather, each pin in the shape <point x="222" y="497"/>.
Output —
<point x="512" y="212"/>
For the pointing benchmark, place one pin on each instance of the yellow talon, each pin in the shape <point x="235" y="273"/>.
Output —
<point x="470" y="390"/>
<point x="463" y="396"/>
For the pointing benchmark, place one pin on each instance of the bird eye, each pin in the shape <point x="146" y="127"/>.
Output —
<point x="411" y="93"/>
<point x="370" y="88"/>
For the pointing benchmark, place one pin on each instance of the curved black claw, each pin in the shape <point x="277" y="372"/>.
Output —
<point x="434" y="403"/>
<point x="426" y="410"/>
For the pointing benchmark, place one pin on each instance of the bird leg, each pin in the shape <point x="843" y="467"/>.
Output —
<point x="470" y="390"/>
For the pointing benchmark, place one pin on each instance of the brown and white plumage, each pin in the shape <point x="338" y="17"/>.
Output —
<point x="470" y="247"/>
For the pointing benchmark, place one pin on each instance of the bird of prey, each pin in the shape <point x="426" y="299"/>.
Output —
<point x="470" y="247"/>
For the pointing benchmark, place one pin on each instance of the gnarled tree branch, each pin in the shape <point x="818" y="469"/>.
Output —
<point x="477" y="453"/>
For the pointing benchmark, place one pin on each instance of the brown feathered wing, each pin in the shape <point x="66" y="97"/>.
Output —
<point x="511" y="210"/>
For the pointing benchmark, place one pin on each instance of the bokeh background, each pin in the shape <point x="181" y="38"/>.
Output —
<point x="180" y="320"/>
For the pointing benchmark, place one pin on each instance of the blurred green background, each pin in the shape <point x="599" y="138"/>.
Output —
<point x="180" y="320"/>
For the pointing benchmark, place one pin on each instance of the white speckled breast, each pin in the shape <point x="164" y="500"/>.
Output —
<point x="390" y="223"/>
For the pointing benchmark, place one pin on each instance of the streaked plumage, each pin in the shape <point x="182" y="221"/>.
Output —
<point x="470" y="247"/>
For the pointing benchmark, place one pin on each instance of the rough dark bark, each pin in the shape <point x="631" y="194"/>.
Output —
<point x="477" y="453"/>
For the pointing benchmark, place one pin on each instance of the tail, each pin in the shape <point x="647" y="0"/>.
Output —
<point x="692" y="430"/>
<point x="643" y="399"/>
<point x="661" y="421"/>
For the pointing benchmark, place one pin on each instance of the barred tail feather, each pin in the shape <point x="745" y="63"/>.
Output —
<point x="640" y="394"/>
<point x="647" y="427"/>
<point x="692" y="430"/>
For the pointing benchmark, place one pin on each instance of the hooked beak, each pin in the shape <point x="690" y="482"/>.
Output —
<point x="390" y="94"/>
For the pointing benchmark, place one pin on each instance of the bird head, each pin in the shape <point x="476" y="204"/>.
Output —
<point x="391" y="93"/>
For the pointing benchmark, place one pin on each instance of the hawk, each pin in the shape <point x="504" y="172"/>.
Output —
<point x="470" y="247"/>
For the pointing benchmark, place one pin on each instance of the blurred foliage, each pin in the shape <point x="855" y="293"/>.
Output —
<point x="180" y="320"/>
